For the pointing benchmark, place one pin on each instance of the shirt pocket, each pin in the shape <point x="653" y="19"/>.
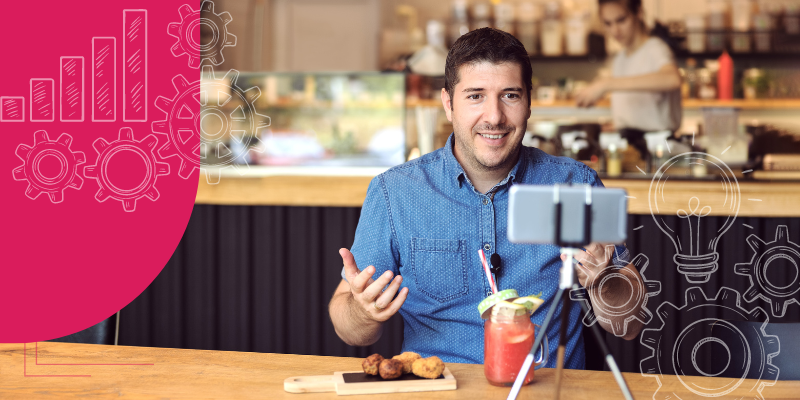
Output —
<point x="439" y="267"/>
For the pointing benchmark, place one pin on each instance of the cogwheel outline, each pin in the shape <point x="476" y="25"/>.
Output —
<point x="126" y="143"/>
<point x="183" y="123"/>
<point x="646" y="290"/>
<point x="30" y="170"/>
<point x="779" y="297"/>
<point x="184" y="31"/>
<point x="667" y="350"/>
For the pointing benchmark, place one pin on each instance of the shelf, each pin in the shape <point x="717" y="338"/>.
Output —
<point x="757" y="104"/>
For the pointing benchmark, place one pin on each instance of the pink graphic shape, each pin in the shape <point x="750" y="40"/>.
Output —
<point x="134" y="62"/>
<point x="41" y="181"/>
<point x="12" y="109"/>
<point x="72" y="89"/>
<point x="43" y="99"/>
<point x="147" y="184"/>
<point x="104" y="79"/>
<point x="87" y="260"/>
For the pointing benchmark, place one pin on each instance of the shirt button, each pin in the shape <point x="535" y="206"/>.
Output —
<point x="488" y="294"/>
<point x="485" y="201"/>
<point x="487" y="247"/>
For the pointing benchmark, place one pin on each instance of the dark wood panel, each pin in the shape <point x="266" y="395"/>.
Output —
<point x="258" y="278"/>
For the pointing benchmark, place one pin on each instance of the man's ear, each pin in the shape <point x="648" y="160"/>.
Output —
<point x="447" y="103"/>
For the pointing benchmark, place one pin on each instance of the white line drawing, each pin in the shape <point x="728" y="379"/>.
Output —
<point x="104" y="79"/>
<point x="678" y="355"/>
<point x="72" y="89"/>
<point x="43" y="99"/>
<point x="40" y="181"/>
<point x="202" y="116"/>
<point x="626" y="311"/>
<point x="12" y="109"/>
<point x="638" y="227"/>
<point x="754" y="199"/>
<point x="747" y="226"/>
<point x="125" y="143"/>
<point x="185" y="32"/>
<point x="640" y="170"/>
<point x="134" y="65"/>
<point x="747" y="171"/>
<point x="778" y="294"/>
<point x="697" y="258"/>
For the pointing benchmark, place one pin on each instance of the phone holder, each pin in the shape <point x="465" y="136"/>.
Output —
<point x="567" y="282"/>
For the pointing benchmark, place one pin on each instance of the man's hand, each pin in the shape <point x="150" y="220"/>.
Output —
<point x="593" y="262"/>
<point x="591" y="94"/>
<point x="370" y="300"/>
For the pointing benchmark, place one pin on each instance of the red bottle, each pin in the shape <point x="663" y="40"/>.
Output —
<point x="725" y="77"/>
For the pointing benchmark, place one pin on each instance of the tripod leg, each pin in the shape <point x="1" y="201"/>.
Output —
<point x="526" y="366"/>
<point x="612" y="364"/>
<point x="562" y="342"/>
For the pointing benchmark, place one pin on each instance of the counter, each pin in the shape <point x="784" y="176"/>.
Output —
<point x="347" y="187"/>
<point x="194" y="374"/>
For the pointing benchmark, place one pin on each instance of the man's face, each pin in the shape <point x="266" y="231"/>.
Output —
<point x="489" y="113"/>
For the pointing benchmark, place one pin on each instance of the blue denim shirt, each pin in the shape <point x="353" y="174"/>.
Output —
<point x="425" y="221"/>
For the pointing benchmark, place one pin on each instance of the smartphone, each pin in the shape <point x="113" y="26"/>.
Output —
<point x="532" y="214"/>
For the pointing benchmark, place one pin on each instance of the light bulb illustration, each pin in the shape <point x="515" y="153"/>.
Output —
<point x="696" y="257"/>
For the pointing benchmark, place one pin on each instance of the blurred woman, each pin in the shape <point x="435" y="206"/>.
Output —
<point x="644" y="82"/>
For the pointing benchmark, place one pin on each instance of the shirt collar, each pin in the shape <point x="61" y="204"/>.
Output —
<point x="455" y="173"/>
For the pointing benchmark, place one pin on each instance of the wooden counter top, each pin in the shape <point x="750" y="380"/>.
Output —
<point x="758" y="199"/>
<point x="200" y="374"/>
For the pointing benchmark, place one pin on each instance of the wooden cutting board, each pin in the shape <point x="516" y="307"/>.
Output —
<point x="357" y="382"/>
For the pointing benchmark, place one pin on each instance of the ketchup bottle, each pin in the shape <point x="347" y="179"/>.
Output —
<point x="725" y="77"/>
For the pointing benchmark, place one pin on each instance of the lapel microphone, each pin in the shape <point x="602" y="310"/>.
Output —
<point x="497" y="264"/>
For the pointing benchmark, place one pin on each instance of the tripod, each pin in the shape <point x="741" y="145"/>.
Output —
<point x="568" y="282"/>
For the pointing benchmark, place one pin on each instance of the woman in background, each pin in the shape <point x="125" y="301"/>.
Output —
<point x="644" y="82"/>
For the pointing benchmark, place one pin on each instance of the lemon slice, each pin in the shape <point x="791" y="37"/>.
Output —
<point x="508" y="309"/>
<point x="531" y="303"/>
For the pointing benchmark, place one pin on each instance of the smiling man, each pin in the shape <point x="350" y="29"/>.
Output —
<point x="422" y="223"/>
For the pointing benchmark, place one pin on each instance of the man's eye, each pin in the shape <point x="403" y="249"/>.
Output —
<point x="512" y="95"/>
<point x="473" y="96"/>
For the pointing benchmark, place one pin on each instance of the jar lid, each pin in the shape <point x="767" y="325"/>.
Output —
<point x="485" y="306"/>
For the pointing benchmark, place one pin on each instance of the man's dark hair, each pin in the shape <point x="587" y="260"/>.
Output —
<point x="486" y="44"/>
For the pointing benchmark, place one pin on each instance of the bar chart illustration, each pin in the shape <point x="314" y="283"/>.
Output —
<point x="43" y="99"/>
<point x="104" y="79"/>
<point x="72" y="75"/>
<point x="134" y="73"/>
<point x="12" y="109"/>
<point x="73" y="82"/>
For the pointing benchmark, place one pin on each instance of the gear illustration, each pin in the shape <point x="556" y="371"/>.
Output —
<point x="782" y="250"/>
<point x="202" y="116"/>
<point x="43" y="181"/>
<point x="186" y="33"/>
<point x="625" y="312"/>
<point x="749" y="354"/>
<point x="126" y="143"/>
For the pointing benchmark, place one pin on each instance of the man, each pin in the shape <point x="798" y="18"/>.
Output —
<point x="423" y="222"/>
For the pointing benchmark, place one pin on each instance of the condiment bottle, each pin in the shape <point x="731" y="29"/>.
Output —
<point x="725" y="77"/>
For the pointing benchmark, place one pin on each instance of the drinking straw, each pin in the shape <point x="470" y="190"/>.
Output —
<point x="487" y="270"/>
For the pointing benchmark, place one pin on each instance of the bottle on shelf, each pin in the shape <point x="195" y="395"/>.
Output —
<point x="528" y="17"/>
<point x="552" y="30"/>
<point x="725" y="77"/>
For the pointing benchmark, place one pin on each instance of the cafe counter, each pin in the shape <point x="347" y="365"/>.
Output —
<point x="347" y="187"/>
<point x="259" y="261"/>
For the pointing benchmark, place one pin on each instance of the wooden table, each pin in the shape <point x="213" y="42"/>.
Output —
<point x="199" y="374"/>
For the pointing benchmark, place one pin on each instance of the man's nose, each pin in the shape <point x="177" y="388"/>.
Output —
<point x="493" y="111"/>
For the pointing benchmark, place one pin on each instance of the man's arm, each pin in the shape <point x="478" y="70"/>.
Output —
<point x="359" y="309"/>
<point x="614" y="293"/>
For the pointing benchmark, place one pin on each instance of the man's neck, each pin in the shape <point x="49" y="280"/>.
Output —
<point x="482" y="178"/>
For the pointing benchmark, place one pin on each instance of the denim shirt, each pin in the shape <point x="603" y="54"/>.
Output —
<point x="424" y="220"/>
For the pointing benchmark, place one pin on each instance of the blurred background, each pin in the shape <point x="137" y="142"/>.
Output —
<point x="313" y="98"/>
